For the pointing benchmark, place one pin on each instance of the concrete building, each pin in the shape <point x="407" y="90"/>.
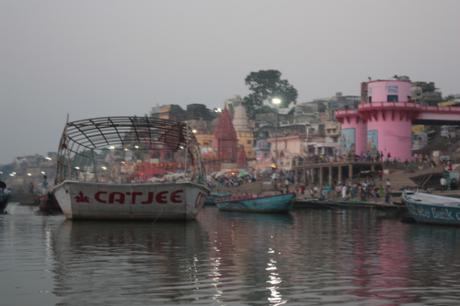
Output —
<point x="383" y="121"/>
<point x="384" y="129"/>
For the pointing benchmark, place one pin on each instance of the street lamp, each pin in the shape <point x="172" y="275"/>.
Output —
<point x="276" y="102"/>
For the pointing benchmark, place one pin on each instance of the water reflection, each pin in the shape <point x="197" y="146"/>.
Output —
<point x="135" y="262"/>
<point x="309" y="257"/>
<point x="274" y="281"/>
<point x="245" y="247"/>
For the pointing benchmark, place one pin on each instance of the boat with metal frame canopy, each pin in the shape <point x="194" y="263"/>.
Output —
<point x="131" y="168"/>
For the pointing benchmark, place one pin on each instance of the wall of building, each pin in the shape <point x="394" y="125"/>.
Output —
<point x="246" y="139"/>
<point x="290" y="145"/>
<point x="353" y="134"/>
<point x="390" y="135"/>
<point x="379" y="90"/>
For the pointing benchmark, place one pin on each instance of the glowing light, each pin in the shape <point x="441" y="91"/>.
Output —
<point x="43" y="172"/>
<point x="29" y="174"/>
<point x="136" y="147"/>
<point x="78" y="168"/>
<point x="48" y="158"/>
<point x="276" y="101"/>
<point x="104" y="168"/>
<point x="112" y="147"/>
<point x="194" y="131"/>
<point x="126" y="149"/>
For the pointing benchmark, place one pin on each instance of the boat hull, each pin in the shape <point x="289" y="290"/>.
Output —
<point x="425" y="208"/>
<point x="272" y="204"/>
<point x="3" y="203"/>
<point x="170" y="201"/>
<point x="214" y="197"/>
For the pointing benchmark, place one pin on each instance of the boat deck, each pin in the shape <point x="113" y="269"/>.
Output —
<point x="435" y="200"/>
<point x="330" y="204"/>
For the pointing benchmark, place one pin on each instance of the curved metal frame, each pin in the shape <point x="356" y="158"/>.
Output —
<point x="83" y="140"/>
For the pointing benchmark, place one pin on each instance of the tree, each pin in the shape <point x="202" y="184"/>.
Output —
<point x="265" y="85"/>
<point x="426" y="86"/>
<point x="429" y="94"/>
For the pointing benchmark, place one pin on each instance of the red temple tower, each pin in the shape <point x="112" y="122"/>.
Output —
<point x="225" y="140"/>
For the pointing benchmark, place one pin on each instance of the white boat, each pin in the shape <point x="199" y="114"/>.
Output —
<point x="430" y="208"/>
<point x="171" y="201"/>
<point x="106" y="170"/>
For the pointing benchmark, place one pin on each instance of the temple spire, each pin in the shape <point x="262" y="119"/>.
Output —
<point x="225" y="140"/>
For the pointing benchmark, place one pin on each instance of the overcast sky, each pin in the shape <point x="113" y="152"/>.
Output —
<point x="94" y="58"/>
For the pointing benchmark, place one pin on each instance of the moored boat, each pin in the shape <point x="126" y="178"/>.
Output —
<point x="281" y="203"/>
<point x="129" y="168"/>
<point x="215" y="197"/>
<point x="430" y="208"/>
<point x="4" y="197"/>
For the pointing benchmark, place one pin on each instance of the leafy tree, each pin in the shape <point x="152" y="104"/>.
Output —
<point x="426" y="86"/>
<point x="265" y="85"/>
<point x="429" y="94"/>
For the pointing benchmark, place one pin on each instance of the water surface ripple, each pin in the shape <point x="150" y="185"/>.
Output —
<point x="310" y="257"/>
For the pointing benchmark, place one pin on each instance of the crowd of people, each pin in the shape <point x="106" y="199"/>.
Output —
<point x="364" y="190"/>
<point x="419" y="160"/>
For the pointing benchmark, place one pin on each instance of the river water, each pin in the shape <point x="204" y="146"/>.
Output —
<point x="310" y="257"/>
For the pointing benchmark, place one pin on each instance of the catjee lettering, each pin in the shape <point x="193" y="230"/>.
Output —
<point x="118" y="197"/>
<point x="138" y="197"/>
<point x="101" y="196"/>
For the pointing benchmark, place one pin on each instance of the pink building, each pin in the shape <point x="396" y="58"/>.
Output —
<point x="288" y="147"/>
<point x="382" y="123"/>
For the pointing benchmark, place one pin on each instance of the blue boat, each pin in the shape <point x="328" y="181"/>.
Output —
<point x="271" y="204"/>
<point x="215" y="197"/>
<point x="430" y="208"/>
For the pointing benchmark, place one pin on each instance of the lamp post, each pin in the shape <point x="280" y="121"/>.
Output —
<point x="276" y="102"/>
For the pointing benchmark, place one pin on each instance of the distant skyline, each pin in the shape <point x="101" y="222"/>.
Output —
<point x="111" y="57"/>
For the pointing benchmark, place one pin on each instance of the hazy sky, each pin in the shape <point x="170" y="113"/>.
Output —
<point x="94" y="58"/>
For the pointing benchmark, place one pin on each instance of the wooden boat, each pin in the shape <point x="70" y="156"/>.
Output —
<point x="4" y="197"/>
<point x="270" y="204"/>
<point x="215" y="197"/>
<point x="430" y="208"/>
<point x="106" y="170"/>
<point x="3" y="201"/>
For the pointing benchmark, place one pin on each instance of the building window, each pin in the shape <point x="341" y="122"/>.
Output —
<point x="249" y="142"/>
<point x="392" y="89"/>
<point x="369" y="99"/>
<point x="392" y="98"/>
